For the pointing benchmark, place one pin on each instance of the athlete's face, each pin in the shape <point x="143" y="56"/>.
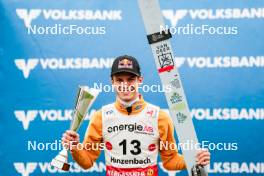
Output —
<point x="126" y="85"/>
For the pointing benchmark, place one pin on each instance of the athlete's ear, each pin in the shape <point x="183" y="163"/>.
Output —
<point x="112" y="79"/>
<point x="140" y="79"/>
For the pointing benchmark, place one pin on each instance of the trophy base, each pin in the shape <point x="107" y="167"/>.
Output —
<point x="60" y="165"/>
<point x="61" y="161"/>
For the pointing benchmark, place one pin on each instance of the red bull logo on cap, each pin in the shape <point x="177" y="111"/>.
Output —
<point x="125" y="63"/>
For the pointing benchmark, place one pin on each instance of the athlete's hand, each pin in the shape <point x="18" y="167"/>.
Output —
<point x="203" y="157"/>
<point x="70" y="139"/>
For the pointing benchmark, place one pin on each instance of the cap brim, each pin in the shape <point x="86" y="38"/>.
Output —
<point x="125" y="71"/>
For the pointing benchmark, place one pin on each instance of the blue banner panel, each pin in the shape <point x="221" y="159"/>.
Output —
<point x="48" y="48"/>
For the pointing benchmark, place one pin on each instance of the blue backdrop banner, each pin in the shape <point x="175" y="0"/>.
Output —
<point x="48" y="48"/>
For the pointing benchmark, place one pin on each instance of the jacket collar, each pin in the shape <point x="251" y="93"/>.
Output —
<point x="137" y="106"/>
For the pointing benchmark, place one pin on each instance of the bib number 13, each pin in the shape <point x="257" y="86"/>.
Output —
<point x="136" y="144"/>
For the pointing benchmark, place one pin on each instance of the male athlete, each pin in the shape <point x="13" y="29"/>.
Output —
<point x="132" y="130"/>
